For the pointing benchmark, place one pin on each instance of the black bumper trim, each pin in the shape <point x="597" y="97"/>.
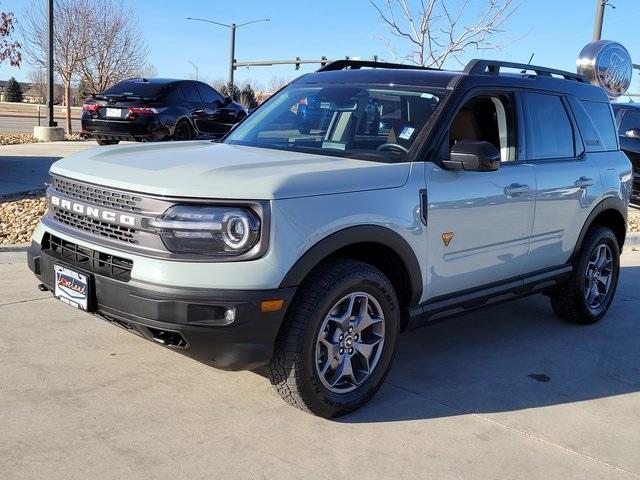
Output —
<point x="196" y="314"/>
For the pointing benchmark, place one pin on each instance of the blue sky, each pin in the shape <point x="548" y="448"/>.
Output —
<point x="555" y="30"/>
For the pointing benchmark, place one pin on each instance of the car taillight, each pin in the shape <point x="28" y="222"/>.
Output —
<point x="91" y="107"/>
<point x="137" y="111"/>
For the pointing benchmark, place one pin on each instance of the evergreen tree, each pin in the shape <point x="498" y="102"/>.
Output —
<point x="13" y="92"/>
<point x="83" y="90"/>
<point x="248" y="97"/>
<point x="231" y="91"/>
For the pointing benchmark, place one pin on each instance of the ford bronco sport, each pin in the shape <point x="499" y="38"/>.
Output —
<point x="304" y="245"/>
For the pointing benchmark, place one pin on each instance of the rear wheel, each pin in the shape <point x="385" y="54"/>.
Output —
<point x="338" y="340"/>
<point x="588" y="294"/>
<point x="107" y="142"/>
<point x="183" y="131"/>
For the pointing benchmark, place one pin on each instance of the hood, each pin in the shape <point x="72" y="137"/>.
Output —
<point x="216" y="170"/>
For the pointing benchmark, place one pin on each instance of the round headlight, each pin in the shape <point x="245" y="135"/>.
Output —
<point x="235" y="230"/>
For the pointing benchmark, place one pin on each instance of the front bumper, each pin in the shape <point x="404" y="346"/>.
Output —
<point x="187" y="320"/>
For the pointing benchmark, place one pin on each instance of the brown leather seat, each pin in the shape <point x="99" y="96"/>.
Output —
<point x="465" y="126"/>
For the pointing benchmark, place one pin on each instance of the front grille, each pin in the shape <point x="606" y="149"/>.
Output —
<point x="96" y="227"/>
<point x="97" y="195"/>
<point x="91" y="260"/>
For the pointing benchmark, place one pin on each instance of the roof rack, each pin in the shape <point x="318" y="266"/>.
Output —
<point x="492" y="67"/>
<point x="357" y="64"/>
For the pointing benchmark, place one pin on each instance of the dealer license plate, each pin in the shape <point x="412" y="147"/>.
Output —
<point x="71" y="287"/>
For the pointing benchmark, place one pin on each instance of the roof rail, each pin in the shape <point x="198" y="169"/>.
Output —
<point x="492" y="67"/>
<point x="357" y="64"/>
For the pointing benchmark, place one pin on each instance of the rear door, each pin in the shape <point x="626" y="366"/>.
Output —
<point x="195" y="105"/>
<point x="479" y="223"/>
<point x="568" y="177"/>
<point x="218" y="117"/>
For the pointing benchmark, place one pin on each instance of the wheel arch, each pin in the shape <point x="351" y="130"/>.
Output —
<point x="610" y="212"/>
<point x="374" y="244"/>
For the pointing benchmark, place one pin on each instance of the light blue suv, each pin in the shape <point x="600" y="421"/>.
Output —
<point x="304" y="243"/>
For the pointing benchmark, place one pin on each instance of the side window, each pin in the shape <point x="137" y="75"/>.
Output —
<point x="174" y="94"/>
<point x="603" y="121"/>
<point x="488" y="118"/>
<point x="208" y="94"/>
<point x="548" y="128"/>
<point x="190" y="92"/>
<point x="630" y="120"/>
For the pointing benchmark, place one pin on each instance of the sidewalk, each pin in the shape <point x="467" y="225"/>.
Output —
<point x="26" y="167"/>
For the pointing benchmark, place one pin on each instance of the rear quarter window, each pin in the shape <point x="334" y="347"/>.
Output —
<point x="597" y="126"/>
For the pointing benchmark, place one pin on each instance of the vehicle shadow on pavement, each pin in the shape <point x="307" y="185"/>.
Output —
<point x="21" y="174"/>
<point x="511" y="357"/>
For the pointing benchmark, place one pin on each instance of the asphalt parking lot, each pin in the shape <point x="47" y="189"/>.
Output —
<point x="506" y="392"/>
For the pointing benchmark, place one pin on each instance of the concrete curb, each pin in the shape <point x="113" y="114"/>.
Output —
<point x="16" y="247"/>
<point x="632" y="241"/>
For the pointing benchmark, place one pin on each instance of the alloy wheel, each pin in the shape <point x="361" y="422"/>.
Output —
<point x="598" y="276"/>
<point x="350" y="342"/>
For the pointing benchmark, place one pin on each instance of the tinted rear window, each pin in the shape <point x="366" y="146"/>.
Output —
<point x="549" y="130"/>
<point x="136" y="89"/>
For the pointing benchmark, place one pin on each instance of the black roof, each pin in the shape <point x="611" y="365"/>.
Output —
<point x="478" y="73"/>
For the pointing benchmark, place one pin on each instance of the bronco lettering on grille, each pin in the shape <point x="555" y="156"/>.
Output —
<point x="93" y="212"/>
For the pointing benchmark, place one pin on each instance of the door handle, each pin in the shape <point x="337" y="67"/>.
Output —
<point x="515" y="189"/>
<point x="584" y="182"/>
<point x="199" y="112"/>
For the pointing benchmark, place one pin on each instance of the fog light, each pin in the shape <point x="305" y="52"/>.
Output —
<point x="230" y="315"/>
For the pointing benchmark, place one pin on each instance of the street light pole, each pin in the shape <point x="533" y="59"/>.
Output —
<point x="597" y="28"/>
<point x="50" y="119"/>
<point x="194" y="66"/>
<point x="232" y="55"/>
<point x="232" y="48"/>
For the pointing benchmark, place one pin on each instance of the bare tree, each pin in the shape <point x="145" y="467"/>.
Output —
<point x="117" y="49"/>
<point x="275" y="84"/>
<point x="38" y="80"/>
<point x="437" y="30"/>
<point x="9" y="49"/>
<point x="70" y="44"/>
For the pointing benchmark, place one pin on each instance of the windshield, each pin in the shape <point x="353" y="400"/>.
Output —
<point x="367" y="122"/>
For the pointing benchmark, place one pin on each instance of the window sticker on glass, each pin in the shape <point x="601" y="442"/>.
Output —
<point x="406" y="133"/>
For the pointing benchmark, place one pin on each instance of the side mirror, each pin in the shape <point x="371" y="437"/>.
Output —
<point x="227" y="100"/>
<point x="473" y="155"/>
<point x="632" y="133"/>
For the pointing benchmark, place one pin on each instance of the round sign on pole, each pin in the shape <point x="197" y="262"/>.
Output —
<point x="607" y="64"/>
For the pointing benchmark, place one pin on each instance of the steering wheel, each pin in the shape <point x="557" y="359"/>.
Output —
<point x="388" y="146"/>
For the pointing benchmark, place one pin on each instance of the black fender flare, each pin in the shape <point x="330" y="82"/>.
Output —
<point x="351" y="236"/>
<point x="609" y="203"/>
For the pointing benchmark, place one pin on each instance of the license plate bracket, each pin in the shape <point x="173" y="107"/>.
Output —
<point x="72" y="287"/>
<point x="114" y="112"/>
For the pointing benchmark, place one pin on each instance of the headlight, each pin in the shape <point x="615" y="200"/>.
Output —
<point x="208" y="230"/>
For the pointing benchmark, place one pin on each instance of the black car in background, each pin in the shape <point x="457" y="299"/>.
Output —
<point x="628" y="121"/>
<point x="142" y="109"/>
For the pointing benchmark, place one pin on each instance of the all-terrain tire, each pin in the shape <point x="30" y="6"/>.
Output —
<point x="569" y="302"/>
<point x="293" y="370"/>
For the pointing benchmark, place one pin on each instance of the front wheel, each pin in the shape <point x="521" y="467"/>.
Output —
<point x="338" y="340"/>
<point x="588" y="294"/>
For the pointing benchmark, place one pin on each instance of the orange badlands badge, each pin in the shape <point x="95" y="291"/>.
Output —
<point x="446" y="238"/>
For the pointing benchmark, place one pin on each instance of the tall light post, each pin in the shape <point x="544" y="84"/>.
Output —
<point x="232" y="48"/>
<point x="194" y="66"/>
<point x="50" y="120"/>
<point x="597" y="28"/>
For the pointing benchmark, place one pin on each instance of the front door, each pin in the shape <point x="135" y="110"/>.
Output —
<point x="479" y="223"/>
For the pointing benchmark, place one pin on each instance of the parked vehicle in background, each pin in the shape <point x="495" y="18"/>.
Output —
<point x="307" y="243"/>
<point x="142" y="109"/>
<point x="628" y="121"/>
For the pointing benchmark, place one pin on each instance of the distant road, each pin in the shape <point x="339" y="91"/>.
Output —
<point x="13" y="124"/>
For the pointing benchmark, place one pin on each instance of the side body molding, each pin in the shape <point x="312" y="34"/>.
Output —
<point x="350" y="236"/>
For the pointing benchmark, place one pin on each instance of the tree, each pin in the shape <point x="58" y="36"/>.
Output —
<point x="275" y="84"/>
<point x="230" y="91"/>
<point x="38" y="80"/>
<point x="248" y="97"/>
<point x="9" y="50"/>
<point x="13" y="92"/>
<point x="71" y="43"/>
<point x="83" y="90"/>
<point x="433" y="31"/>
<point x="116" y="47"/>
